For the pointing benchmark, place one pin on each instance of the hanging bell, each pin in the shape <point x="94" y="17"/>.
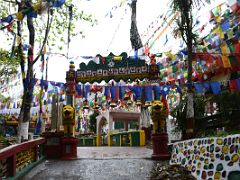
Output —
<point x="148" y="103"/>
<point x="126" y="97"/>
<point x="138" y="103"/>
<point x="129" y="102"/>
<point x="95" y="106"/>
<point x="85" y="105"/>
<point x="113" y="104"/>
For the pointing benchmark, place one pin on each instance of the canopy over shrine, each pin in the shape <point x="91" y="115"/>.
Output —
<point x="114" y="67"/>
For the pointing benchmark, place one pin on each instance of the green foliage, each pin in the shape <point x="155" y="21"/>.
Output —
<point x="93" y="121"/>
<point x="8" y="64"/>
<point x="214" y="133"/>
<point x="229" y="100"/>
<point x="180" y="112"/>
<point x="4" y="99"/>
<point x="184" y="23"/>
<point x="4" y="140"/>
<point x="179" y="115"/>
<point x="228" y="112"/>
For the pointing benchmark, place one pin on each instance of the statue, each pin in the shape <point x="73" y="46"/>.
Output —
<point x="158" y="115"/>
<point x="68" y="115"/>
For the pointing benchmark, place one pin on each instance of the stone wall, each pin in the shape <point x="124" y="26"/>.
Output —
<point x="209" y="158"/>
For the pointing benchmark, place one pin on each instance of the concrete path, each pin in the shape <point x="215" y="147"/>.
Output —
<point x="98" y="163"/>
<point x="114" y="153"/>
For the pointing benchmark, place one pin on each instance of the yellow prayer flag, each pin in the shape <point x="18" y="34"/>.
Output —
<point x="219" y="7"/>
<point x="44" y="50"/>
<point x="218" y="30"/>
<point x="221" y="33"/>
<point x="224" y="48"/>
<point x="169" y="69"/>
<point x="226" y="62"/>
<point x="38" y="7"/>
<point x="230" y="33"/>
<point x="117" y="58"/>
<point x="18" y="40"/>
<point x="19" y="16"/>
<point x="170" y="55"/>
<point x="218" y="19"/>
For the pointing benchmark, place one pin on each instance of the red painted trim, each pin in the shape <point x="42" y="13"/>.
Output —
<point x="14" y="149"/>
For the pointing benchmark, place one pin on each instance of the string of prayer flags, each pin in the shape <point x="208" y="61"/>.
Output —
<point x="32" y="11"/>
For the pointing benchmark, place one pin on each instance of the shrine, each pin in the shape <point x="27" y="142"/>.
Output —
<point x="119" y="100"/>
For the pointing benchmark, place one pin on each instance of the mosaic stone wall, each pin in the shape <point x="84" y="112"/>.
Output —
<point x="209" y="158"/>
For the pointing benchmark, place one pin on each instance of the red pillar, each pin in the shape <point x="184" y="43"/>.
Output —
<point x="126" y="125"/>
<point x="160" y="146"/>
<point x="11" y="161"/>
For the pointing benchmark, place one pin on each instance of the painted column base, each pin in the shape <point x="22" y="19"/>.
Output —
<point x="69" y="148"/>
<point x="160" y="146"/>
<point x="52" y="147"/>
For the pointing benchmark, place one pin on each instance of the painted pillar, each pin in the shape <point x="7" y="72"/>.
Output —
<point x="69" y="129"/>
<point x="125" y="125"/>
<point x="160" y="136"/>
<point x="69" y="142"/>
<point x="71" y="85"/>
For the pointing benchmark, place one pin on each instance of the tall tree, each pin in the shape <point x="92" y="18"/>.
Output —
<point x="34" y="19"/>
<point x="185" y="28"/>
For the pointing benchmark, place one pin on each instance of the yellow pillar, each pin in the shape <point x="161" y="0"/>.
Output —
<point x="99" y="140"/>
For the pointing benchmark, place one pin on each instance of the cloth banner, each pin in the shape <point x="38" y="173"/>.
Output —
<point x="121" y="91"/>
<point x="206" y="87"/>
<point x="165" y="90"/>
<point x="86" y="90"/>
<point x="216" y="88"/>
<point x="106" y="92"/>
<point x="148" y="93"/>
<point x="226" y="62"/>
<point x="78" y="90"/>
<point x="157" y="92"/>
<point x="198" y="88"/>
<point x="137" y="90"/>
<point x="234" y="85"/>
<point x="114" y="92"/>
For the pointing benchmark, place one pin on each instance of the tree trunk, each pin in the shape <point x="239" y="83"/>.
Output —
<point x="190" y="109"/>
<point x="134" y="35"/>
<point x="28" y="82"/>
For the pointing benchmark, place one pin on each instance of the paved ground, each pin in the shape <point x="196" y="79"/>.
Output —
<point x="98" y="163"/>
<point x="105" y="152"/>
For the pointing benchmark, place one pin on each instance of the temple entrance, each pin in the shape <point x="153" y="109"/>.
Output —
<point x="107" y="121"/>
